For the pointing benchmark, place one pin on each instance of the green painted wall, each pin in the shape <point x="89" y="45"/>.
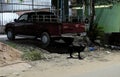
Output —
<point x="109" y="18"/>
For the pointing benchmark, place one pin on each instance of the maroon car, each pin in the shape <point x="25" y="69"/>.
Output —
<point x="44" y="25"/>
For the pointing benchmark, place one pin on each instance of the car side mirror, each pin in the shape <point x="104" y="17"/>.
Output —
<point x="15" y="20"/>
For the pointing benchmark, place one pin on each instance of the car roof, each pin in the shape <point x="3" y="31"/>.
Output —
<point x="40" y="12"/>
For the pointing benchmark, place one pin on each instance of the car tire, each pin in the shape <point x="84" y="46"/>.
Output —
<point x="10" y="34"/>
<point x="45" y="39"/>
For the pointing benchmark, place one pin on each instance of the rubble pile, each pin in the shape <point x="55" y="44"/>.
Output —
<point x="8" y="54"/>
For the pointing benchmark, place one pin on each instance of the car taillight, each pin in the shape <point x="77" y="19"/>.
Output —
<point x="77" y="25"/>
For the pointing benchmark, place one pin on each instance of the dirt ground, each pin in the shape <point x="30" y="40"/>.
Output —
<point x="57" y="64"/>
<point x="61" y="67"/>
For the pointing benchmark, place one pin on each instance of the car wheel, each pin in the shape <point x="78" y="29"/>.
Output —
<point x="45" y="39"/>
<point x="10" y="34"/>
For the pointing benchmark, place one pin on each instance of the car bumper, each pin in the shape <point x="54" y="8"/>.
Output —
<point x="74" y="34"/>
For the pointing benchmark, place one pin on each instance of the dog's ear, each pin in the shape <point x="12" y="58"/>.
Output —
<point x="83" y="45"/>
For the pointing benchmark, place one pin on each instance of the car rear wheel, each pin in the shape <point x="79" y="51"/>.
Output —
<point x="45" y="39"/>
<point x="10" y="34"/>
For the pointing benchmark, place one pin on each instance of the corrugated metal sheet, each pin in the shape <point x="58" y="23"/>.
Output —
<point x="16" y="5"/>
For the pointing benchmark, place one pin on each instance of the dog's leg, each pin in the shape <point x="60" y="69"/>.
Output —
<point x="71" y="51"/>
<point x="79" y="55"/>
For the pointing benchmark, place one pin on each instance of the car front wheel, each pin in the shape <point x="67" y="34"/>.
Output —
<point x="10" y="34"/>
<point x="45" y="39"/>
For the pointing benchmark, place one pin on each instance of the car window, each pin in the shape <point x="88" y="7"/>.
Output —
<point x="35" y="18"/>
<point x="30" y="17"/>
<point x="23" y="17"/>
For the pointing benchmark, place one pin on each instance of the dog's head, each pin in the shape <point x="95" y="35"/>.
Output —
<point x="83" y="44"/>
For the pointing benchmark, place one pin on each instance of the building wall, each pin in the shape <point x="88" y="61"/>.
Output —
<point x="109" y="18"/>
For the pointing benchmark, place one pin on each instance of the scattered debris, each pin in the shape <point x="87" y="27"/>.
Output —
<point x="91" y="48"/>
<point x="16" y="74"/>
<point x="108" y="52"/>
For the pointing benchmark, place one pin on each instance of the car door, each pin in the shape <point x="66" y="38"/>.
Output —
<point x="30" y="25"/>
<point x="20" y="24"/>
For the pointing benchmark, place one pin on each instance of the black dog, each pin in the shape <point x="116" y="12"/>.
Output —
<point x="78" y="49"/>
<point x="78" y="45"/>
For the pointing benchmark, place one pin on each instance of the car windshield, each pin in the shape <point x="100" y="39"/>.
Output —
<point x="24" y="17"/>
